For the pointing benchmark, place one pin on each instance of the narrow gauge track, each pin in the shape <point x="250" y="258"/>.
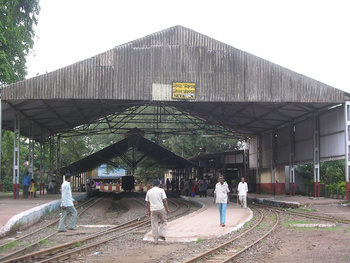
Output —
<point x="306" y="214"/>
<point x="42" y="232"/>
<point x="231" y="249"/>
<point x="68" y="250"/>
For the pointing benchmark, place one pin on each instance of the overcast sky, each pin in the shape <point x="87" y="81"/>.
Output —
<point x="306" y="36"/>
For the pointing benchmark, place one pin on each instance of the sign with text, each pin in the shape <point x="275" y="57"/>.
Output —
<point x="184" y="91"/>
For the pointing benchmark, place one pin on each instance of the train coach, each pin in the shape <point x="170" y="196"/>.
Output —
<point x="124" y="184"/>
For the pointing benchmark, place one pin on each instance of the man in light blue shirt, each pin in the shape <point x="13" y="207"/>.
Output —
<point x="67" y="204"/>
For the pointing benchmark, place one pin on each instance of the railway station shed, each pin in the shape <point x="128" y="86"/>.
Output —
<point x="286" y="118"/>
<point x="127" y="149"/>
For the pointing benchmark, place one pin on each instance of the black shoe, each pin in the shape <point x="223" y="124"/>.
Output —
<point x="62" y="230"/>
<point x="72" y="228"/>
<point x="161" y="238"/>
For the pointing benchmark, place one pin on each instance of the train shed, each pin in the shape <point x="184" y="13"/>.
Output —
<point x="286" y="118"/>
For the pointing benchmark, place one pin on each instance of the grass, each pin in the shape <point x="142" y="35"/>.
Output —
<point x="8" y="246"/>
<point x="199" y="240"/>
<point x="305" y="210"/>
<point x="78" y="244"/>
<point x="44" y="242"/>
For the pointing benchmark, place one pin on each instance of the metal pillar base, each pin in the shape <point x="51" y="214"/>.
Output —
<point x="317" y="192"/>
<point x="292" y="189"/>
<point x="42" y="188"/>
<point x="258" y="189"/>
<point x="15" y="191"/>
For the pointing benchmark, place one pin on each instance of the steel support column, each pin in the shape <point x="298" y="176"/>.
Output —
<point x="291" y="159"/>
<point x="347" y="147"/>
<point x="16" y="146"/>
<point x="273" y="160"/>
<point x="42" y="165"/>
<point x="31" y="151"/>
<point x="259" y="164"/>
<point x="59" y="155"/>
<point x="52" y="156"/>
<point x="316" y="155"/>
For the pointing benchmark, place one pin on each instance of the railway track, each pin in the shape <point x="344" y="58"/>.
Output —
<point x="41" y="233"/>
<point x="267" y="222"/>
<point x="306" y="214"/>
<point x="70" y="250"/>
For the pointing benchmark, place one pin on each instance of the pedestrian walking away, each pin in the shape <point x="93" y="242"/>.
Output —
<point x="242" y="191"/>
<point x="67" y="205"/>
<point x="158" y="210"/>
<point x="221" y="198"/>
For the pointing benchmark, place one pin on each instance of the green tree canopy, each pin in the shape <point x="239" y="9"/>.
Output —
<point x="17" y="20"/>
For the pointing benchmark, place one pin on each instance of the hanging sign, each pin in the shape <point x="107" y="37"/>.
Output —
<point x="184" y="91"/>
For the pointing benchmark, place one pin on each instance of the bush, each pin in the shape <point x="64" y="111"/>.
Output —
<point x="8" y="184"/>
<point x="342" y="188"/>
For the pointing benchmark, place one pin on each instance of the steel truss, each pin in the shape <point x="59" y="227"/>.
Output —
<point x="152" y="118"/>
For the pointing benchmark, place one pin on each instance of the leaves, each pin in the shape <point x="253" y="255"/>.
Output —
<point x="17" y="20"/>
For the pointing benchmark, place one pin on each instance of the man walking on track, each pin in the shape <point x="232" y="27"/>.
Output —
<point x="67" y="204"/>
<point x="242" y="190"/>
<point x="158" y="210"/>
<point x="221" y="197"/>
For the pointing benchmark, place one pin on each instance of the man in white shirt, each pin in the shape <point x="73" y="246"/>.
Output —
<point x="242" y="191"/>
<point x="67" y="204"/>
<point x="158" y="210"/>
<point x="221" y="197"/>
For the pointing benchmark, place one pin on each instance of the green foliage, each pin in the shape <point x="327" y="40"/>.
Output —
<point x="332" y="174"/>
<point x="148" y="171"/>
<point x="332" y="171"/>
<point x="73" y="149"/>
<point x="193" y="145"/>
<point x="17" y="20"/>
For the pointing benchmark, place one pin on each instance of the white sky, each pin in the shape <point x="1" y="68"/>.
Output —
<point x="311" y="37"/>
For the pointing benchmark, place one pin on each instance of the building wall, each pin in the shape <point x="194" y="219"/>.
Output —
<point x="266" y="185"/>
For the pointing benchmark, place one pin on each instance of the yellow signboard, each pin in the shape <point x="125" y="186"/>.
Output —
<point x="184" y="91"/>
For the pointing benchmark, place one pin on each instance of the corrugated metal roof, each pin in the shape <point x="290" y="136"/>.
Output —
<point x="256" y="93"/>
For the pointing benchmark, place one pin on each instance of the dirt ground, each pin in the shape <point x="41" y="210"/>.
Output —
<point x="286" y="244"/>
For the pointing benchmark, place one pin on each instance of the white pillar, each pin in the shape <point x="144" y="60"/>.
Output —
<point x="316" y="155"/>
<point x="16" y="145"/>
<point x="31" y="151"/>
<point x="291" y="159"/>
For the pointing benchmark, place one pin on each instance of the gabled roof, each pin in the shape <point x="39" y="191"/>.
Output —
<point x="148" y="148"/>
<point x="235" y="89"/>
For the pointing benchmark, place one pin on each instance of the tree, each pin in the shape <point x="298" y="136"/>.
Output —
<point x="17" y="20"/>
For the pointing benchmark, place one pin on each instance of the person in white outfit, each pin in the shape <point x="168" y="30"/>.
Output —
<point x="158" y="210"/>
<point x="67" y="204"/>
<point x="242" y="191"/>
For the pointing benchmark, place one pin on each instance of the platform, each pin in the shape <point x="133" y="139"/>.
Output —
<point x="289" y="201"/>
<point x="205" y="223"/>
<point x="25" y="212"/>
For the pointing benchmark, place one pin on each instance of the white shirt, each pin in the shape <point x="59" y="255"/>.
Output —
<point x="67" y="199"/>
<point x="221" y="191"/>
<point x="242" y="188"/>
<point x="155" y="196"/>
